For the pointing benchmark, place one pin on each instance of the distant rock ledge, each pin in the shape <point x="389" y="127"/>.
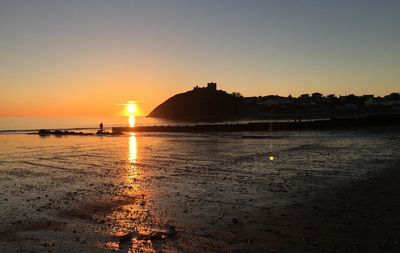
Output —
<point x="45" y="132"/>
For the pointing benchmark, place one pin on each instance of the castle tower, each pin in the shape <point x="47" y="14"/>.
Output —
<point x="212" y="86"/>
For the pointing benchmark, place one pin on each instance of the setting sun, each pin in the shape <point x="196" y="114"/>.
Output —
<point x="131" y="108"/>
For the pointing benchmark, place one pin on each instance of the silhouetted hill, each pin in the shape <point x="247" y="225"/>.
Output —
<point x="207" y="102"/>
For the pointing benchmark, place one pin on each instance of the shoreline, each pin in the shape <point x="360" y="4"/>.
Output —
<point x="334" y="123"/>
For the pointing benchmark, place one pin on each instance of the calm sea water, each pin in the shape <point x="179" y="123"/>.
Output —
<point x="80" y="193"/>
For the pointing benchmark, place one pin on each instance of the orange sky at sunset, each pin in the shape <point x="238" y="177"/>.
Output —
<point x="87" y="57"/>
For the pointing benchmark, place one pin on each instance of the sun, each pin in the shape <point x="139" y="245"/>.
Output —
<point x="131" y="108"/>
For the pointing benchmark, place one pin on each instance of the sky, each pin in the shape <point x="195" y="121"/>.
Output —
<point x="87" y="57"/>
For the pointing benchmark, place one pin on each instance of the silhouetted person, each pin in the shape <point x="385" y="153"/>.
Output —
<point x="101" y="127"/>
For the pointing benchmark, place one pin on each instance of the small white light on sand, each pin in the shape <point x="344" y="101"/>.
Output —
<point x="271" y="158"/>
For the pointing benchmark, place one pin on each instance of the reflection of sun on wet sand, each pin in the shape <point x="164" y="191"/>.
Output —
<point x="132" y="148"/>
<point x="125" y="218"/>
<point x="132" y="225"/>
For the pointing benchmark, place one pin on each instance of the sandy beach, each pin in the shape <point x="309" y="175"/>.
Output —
<point x="311" y="191"/>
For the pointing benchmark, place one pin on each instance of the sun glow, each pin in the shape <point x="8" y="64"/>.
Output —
<point x="131" y="109"/>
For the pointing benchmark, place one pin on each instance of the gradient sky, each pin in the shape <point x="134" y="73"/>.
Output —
<point x="86" y="57"/>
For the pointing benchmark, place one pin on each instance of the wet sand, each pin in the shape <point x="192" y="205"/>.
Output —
<point x="362" y="216"/>
<point x="322" y="192"/>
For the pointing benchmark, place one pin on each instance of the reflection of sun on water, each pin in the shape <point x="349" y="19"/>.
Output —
<point x="132" y="120"/>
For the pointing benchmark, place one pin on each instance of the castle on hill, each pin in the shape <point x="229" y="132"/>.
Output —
<point x="210" y="86"/>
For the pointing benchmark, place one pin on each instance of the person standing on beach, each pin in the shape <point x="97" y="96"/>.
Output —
<point x="101" y="127"/>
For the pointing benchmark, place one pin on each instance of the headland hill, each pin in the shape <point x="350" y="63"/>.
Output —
<point x="307" y="111"/>
<point x="210" y="104"/>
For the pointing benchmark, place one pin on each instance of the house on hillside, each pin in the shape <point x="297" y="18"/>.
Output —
<point x="368" y="100"/>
